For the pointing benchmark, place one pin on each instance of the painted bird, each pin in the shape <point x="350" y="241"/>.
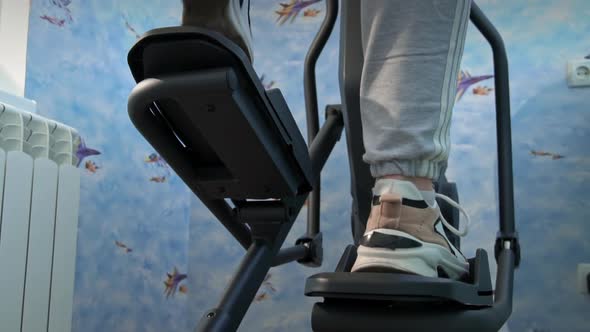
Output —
<point x="465" y="80"/>
<point x="172" y="281"/>
<point x="132" y="30"/>
<point x="292" y="9"/>
<point x="554" y="156"/>
<point x="158" y="179"/>
<point x="266" y="282"/>
<point x="267" y="86"/>
<point x="91" y="166"/>
<point x="311" y="12"/>
<point x="482" y="90"/>
<point x="540" y="153"/>
<point x="261" y="297"/>
<point x="63" y="5"/>
<point x="83" y="151"/>
<point x="53" y="20"/>
<point x="123" y="246"/>
<point x="154" y="158"/>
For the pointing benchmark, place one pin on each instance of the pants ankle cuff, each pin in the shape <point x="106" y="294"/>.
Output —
<point x="415" y="168"/>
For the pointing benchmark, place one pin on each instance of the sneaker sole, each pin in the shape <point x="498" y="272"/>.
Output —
<point x="424" y="260"/>
<point x="224" y="16"/>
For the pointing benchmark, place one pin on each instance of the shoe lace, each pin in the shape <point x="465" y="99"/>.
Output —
<point x="462" y="210"/>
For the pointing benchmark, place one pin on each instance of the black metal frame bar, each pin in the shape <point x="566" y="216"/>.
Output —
<point x="507" y="235"/>
<point x="503" y="130"/>
<point x="311" y="106"/>
<point x="349" y="76"/>
<point x="507" y="248"/>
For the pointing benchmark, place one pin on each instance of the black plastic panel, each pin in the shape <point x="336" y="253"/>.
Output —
<point x="238" y="142"/>
<point x="350" y="69"/>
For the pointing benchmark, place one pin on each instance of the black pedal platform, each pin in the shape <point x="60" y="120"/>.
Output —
<point x="342" y="285"/>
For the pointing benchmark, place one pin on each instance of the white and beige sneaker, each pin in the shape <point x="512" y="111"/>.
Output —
<point x="405" y="234"/>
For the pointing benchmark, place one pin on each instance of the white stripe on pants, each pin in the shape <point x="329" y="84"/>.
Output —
<point x="412" y="52"/>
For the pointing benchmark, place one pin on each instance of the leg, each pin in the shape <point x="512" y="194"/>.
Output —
<point x="412" y="52"/>
<point x="412" y="55"/>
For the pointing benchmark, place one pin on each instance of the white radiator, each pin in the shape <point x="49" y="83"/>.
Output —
<point x="39" y="201"/>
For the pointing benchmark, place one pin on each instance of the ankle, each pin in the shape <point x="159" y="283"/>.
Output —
<point x="421" y="183"/>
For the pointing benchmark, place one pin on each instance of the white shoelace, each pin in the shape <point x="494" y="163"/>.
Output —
<point x="446" y="223"/>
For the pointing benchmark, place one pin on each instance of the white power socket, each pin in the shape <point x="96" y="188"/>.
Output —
<point x="578" y="73"/>
<point x="583" y="272"/>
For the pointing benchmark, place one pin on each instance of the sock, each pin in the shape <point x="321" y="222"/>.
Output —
<point x="405" y="188"/>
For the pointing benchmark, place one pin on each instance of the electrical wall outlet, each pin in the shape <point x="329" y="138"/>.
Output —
<point x="578" y="73"/>
<point x="583" y="273"/>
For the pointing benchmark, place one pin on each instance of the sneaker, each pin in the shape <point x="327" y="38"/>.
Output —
<point x="404" y="234"/>
<point x="229" y="17"/>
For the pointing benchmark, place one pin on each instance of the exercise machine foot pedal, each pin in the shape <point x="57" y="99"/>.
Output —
<point x="400" y="300"/>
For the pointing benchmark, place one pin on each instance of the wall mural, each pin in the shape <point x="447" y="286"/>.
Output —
<point x="151" y="257"/>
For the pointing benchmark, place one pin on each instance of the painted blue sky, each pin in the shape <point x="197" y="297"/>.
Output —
<point x="78" y="75"/>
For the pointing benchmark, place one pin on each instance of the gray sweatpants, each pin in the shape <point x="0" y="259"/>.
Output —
<point x="412" y="53"/>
